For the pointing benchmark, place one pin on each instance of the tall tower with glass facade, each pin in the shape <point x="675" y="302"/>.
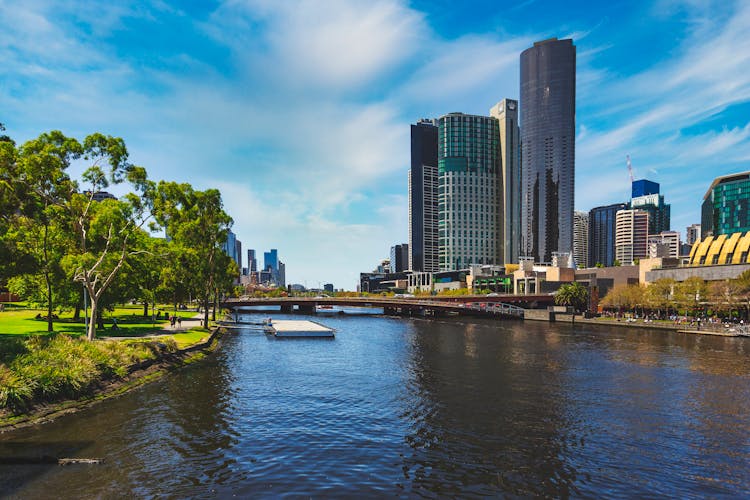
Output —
<point x="469" y="191"/>
<point x="423" y="202"/>
<point x="726" y="205"/>
<point x="581" y="239"/>
<point x="548" y="104"/>
<point x="506" y="112"/>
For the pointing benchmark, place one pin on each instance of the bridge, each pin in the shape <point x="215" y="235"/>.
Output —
<point x="477" y="305"/>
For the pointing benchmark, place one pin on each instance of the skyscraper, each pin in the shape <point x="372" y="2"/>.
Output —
<point x="693" y="234"/>
<point x="469" y="185"/>
<point x="602" y="234"/>
<point x="252" y="263"/>
<point x="581" y="239"/>
<point x="649" y="200"/>
<point x="506" y="112"/>
<point x="726" y="205"/>
<point x="423" y="200"/>
<point x="548" y="103"/>
<point x="399" y="258"/>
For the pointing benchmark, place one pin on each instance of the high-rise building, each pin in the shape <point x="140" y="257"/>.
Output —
<point x="506" y="112"/>
<point x="693" y="234"/>
<point x="602" y="234"/>
<point x="423" y="197"/>
<point x="399" y="258"/>
<point x="252" y="264"/>
<point x="581" y="239"/>
<point x="281" y="275"/>
<point x="271" y="260"/>
<point x="238" y="252"/>
<point x="230" y="246"/>
<point x="726" y="205"/>
<point x="643" y="187"/>
<point x="653" y="203"/>
<point x="631" y="238"/>
<point x="469" y="186"/>
<point x="548" y="104"/>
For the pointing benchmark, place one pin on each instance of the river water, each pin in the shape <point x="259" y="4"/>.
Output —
<point x="402" y="407"/>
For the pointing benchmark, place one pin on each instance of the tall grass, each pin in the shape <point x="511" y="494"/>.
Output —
<point x="59" y="366"/>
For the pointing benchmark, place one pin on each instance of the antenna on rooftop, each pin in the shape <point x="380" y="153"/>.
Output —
<point x="630" y="168"/>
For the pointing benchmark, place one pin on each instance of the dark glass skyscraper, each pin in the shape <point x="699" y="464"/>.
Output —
<point x="548" y="105"/>
<point x="423" y="200"/>
<point x="602" y="234"/>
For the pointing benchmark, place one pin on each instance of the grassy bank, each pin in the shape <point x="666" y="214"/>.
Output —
<point x="52" y="368"/>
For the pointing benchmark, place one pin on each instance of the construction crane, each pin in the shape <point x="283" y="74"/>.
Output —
<point x="630" y="168"/>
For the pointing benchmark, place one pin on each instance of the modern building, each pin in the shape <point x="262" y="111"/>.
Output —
<point x="653" y="203"/>
<point x="423" y="197"/>
<point x="548" y="104"/>
<point x="726" y="205"/>
<point x="252" y="263"/>
<point x="281" y="275"/>
<point x="238" y="252"/>
<point x="506" y="112"/>
<point x="271" y="260"/>
<point x="631" y="236"/>
<point x="643" y="187"/>
<point x="469" y="191"/>
<point x="230" y="247"/>
<point x="602" y="234"/>
<point x="101" y="195"/>
<point x="722" y="249"/>
<point x="399" y="258"/>
<point x="328" y="287"/>
<point x="693" y="234"/>
<point x="581" y="239"/>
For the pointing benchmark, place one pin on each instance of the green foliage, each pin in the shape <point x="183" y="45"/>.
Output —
<point x="572" y="294"/>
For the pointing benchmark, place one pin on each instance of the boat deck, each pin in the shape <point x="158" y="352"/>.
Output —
<point x="298" y="328"/>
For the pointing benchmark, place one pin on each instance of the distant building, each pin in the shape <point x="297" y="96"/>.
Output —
<point x="281" y="275"/>
<point x="423" y="197"/>
<point x="252" y="264"/>
<point x="631" y="238"/>
<point x="581" y="239"/>
<point x="548" y="104"/>
<point x="664" y="245"/>
<point x="271" y="260"/>
<point x="653" y="203"/>
<point x="726" y="205"/>
<point x="693" y="234"/>
<point x="238" y="252"/>
<point x="506" y="113"/>
<point x="328" y="287"/>
<point x="602" y="234"/>
<point x="399" y="258"/>
<point x="230" y="247"/>
<point x="101" y="196"/>
<point x="469" y="198"/>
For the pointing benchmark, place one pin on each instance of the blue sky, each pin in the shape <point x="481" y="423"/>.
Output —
<point x="299" y="111"/>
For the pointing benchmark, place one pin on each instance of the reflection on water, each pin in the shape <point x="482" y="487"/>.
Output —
<point x="416" y="407"/>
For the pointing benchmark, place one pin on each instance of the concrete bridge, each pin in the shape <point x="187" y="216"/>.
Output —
<point x="477" y="305"/>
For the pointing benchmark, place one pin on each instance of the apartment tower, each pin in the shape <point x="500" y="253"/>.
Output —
<point x="423" y="197"/>
<point x="506" y="112"/>
<point x="548" y="102"/>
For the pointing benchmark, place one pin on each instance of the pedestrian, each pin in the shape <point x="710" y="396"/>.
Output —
<point x="179" y="322"/>
<point x="172" y="321"/>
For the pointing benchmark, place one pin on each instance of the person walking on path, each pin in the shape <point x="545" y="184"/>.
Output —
<point x="179" y="322"/>
<point x="172" y="321"/>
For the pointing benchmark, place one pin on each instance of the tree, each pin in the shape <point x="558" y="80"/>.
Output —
<point x="572" y="294"/>
<point x="660" y="294"/>
<point x="691" y="292"/>
<point x="106" y="230"/>
<point x="725" y="295"/>
<point x="197" y="225"/>
<point x="624" y="297"/>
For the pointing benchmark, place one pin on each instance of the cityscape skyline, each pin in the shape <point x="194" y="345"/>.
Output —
<point x="312" y="157"/>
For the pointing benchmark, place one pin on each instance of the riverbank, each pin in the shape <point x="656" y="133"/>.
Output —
<point x="137" y="375"/>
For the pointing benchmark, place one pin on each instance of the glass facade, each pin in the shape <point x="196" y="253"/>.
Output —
<point x="731" y="207"/>
<point x="469" y="191"/>
<point x="423" y="209"/>
<point x="548" y="95"/>
<point x="602" y="224"/>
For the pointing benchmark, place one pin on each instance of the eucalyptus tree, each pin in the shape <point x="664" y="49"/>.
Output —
<point x="107" y="232"/>
<point x="197" y="227"/>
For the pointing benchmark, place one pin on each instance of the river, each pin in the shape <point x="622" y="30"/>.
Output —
<point x="416" y="407"/>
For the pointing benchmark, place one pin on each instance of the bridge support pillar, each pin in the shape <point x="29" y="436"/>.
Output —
<point x="390" y="311"/>
<point x="306" y="308"/>
<point x="287" y="308"/>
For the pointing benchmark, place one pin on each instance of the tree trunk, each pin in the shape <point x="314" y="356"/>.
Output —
<point x="205" y="311"/>
<point x="50" y="327"/>
<point x="216" y="302"/>
<point x="77" y="312"/>
<point x="99" y="320"/>
<point x="92" y="320"/>
<point x="145" y="308"/>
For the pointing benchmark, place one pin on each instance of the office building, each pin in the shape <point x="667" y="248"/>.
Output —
<point x="653" y="203"/>
<point x="644" y="187"/>
<point x="230" y="246"/>
<point x="726" y="205"/>
<point x="631" y="236"/>
<point x="238" y="253"/>
<point x="693" y="234"/>
<point x="469" y="186"/>
<point x="281" y="275"/>
<point x="399" y="258"/>
<point x="271" y="260"/>
<point x="581" y="239"/>
<point x="506" y="112"/>
<point x="602" y="234"/>
<point x="548" y="99"/>
<point x="423" y="197"/>
<point x="252" y="264"/>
